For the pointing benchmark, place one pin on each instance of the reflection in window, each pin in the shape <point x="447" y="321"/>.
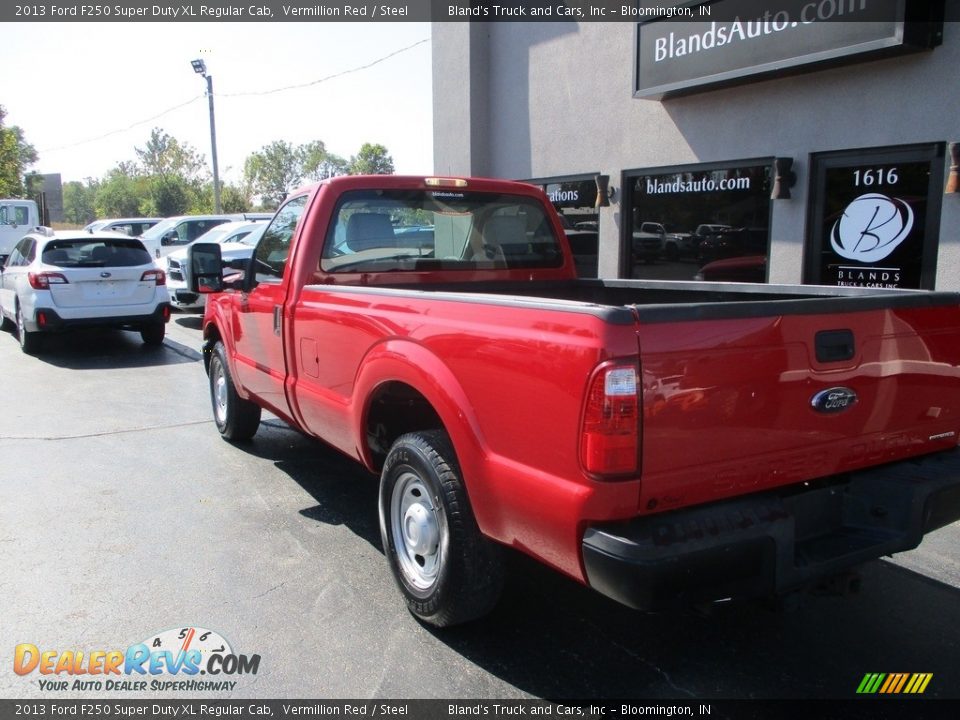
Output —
<point x="700" y="224"/>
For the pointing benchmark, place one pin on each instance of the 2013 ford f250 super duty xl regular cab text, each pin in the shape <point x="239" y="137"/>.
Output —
<point x="660" y="442"/>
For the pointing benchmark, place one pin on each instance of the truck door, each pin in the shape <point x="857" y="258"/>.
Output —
<point x="260" y="359"/>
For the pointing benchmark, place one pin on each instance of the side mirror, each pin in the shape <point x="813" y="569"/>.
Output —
<point x="170" y="238"/>
<point x="204" y="268"/>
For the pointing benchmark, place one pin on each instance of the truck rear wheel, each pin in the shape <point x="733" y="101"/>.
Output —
<point x="447" y="570"/>
<point x="237" y="419"/>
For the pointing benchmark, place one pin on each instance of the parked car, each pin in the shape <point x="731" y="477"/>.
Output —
<point x="733" y="242"/>
<point x="706" y="230"/>
<point x="178" y="231"/>
<point x="585" y="246"/>
<point x="134" y="227"/>
<point x="678" y="245"/>
<point x="74" y="279"/>
<point x="647" y="243"/>
<point x="746" y="268"/>
<point x="237" y="241"/>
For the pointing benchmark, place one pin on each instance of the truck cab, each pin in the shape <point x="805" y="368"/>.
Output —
<point x="17" y="217"/>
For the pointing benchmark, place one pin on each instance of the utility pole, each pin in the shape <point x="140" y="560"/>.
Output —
<point x="200" y="67"/>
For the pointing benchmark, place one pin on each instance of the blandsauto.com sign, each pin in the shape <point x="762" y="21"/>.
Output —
<point x="736" y="40"/>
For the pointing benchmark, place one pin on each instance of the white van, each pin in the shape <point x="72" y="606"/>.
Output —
<point x="17" y="218"/>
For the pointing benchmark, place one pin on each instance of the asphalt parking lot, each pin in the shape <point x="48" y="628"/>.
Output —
<point x="123" y="514"/>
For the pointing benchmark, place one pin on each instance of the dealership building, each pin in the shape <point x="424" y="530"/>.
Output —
<point x="811" y="142"/>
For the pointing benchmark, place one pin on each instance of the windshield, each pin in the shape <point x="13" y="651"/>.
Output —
<point x="383" y="230"/>
<point x="215" y="235"/>
<point x="251" y="238"/>
<point x="158" y="230"/>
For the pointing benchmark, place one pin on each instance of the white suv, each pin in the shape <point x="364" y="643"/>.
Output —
<point x="68" y="279"/>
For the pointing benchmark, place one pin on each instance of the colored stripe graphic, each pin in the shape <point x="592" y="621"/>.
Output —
<point x="894" y="683"/>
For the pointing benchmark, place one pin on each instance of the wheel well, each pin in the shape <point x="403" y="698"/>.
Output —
<point x="211" y="336"/>
<point x="396" y="409"/>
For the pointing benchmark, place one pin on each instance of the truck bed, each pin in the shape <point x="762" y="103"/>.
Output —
<point x="728" y="373"/>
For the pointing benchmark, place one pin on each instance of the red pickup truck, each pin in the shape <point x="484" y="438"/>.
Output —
<point x="660" y="442"/>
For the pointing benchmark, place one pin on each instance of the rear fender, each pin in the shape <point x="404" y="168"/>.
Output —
<point x="414" y="365"/>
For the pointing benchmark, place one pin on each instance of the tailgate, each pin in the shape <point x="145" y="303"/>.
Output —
<point x="740" y="404"/>
<point x="103" y="287"/>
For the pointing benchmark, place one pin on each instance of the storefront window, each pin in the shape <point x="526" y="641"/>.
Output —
<point x="704" y="222"/>
<point x="574" y="198"/>
<point x="874" y="217"/>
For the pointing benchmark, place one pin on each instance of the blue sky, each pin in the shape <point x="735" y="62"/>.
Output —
<point x="68" y="84"/>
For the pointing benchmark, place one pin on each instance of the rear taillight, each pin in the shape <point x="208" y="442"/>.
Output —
<point x="158" y="276"/>
<point x="43" y="280"/>
<point x="610" y="432"/>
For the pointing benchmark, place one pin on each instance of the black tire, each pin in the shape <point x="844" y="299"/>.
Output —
<point x="448" y="572"/>
<point x="237" y="419"/>
<point x="29" y="341"/>
<point x="153" y="334"/>
<point x="672" y="252"/>
<point x="6" y="324"/>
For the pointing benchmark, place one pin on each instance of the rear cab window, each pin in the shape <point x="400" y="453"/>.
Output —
<point x="384" y="230"/>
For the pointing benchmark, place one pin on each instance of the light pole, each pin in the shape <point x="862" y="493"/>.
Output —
<point x="200" y="67"/>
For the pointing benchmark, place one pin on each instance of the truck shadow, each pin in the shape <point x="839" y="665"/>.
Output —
<point x="552" y="638"/>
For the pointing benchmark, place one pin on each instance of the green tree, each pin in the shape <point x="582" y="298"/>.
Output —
<point x="175" y="175"/>
<point x="274" y="170"/>
<point x="121" y="193"/>
<point x="371" y="160"/>
<point x="168" y="195"/>
<point x="320" y="164"/>
<point x="79" y="202"/>
<point x="233" y="199"/>
<point x="166" y="156"/>
<point x="16" y="155"/>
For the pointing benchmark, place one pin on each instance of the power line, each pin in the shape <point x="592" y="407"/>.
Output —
<point x="123" y="130"/>
<point x="328" y="77"/>
<point x="242" y="94"/>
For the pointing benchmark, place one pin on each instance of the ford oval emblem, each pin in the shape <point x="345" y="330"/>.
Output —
<point x="834" y="400"/>
<point x="104" y="274"/>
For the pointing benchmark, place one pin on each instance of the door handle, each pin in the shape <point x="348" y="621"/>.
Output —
<point x="277" y="319"/>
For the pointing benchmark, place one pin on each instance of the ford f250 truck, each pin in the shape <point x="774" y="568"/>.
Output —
<point x="660" y="442"/>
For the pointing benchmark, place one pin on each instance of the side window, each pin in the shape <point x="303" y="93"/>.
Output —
<point x="198" y="228"/>
<point x="184" y="233"/>
<point x="30" y="252"/>
<point x="273" y="250"/>
<point x="21" y="215"/>
<point x="21" y="254"/>
<point x="3" y="215"/>
<point x="15" y="259"/>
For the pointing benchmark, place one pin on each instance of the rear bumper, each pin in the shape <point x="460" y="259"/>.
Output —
<point x="53" y="322"/>
<point x="771" y="544"/>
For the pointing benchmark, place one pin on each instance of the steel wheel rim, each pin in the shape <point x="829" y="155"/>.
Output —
<point x="219" y="392"/>
<point x="415" y="526"/>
